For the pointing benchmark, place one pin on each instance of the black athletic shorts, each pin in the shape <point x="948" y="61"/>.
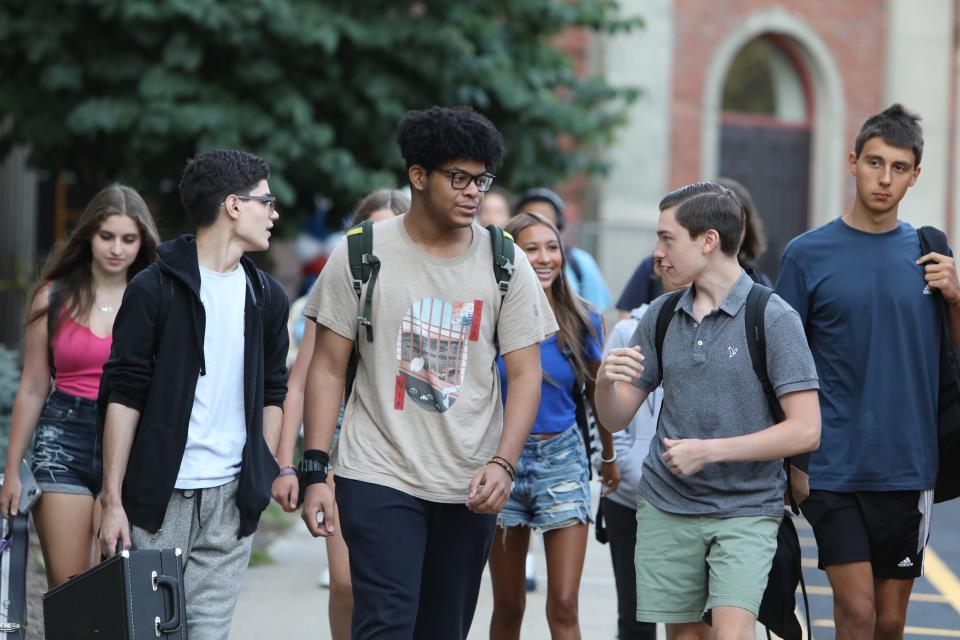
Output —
<point x="888" y="529"/>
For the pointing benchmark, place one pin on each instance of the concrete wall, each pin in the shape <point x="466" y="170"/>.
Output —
<point x="919" y="57"/>
<point x="641" y="159"/>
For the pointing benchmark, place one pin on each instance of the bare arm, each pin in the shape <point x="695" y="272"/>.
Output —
<point x="293" y="405"/>
<point x="798" y="433"/>
<point x="322" y="394"/>
<point x="490" y="486"/>
<point x="617" y="397"/>
<point x="609" y="471"/>
<point x="286" y="488"/>
<point x="28" y="405"/>
<point x="119" y="430"/>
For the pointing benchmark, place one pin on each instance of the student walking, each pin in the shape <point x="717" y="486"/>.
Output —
<point x="192" y="394"/>
<point x="864" y="295"/>
<point x="711" y="492"/>
<point x="379" y="205"/>
<point x="68" y="327"/>
<point x="552" y="491"/>
<point x="427" y="452"/>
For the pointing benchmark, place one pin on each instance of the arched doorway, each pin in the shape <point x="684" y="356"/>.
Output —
<point x="765" y="137"/>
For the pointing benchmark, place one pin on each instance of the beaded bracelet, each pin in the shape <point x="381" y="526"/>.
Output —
<point x="505" y="464"/>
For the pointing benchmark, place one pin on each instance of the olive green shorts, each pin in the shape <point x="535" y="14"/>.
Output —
<point x="687" y="565"/>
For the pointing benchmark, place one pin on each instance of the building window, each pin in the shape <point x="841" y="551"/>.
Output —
<point x="763" y="80"/>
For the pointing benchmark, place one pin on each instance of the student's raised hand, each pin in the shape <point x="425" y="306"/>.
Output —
<point x="940" y="272"/>
<point x="318" y="501"/>
<point x="286" y="491"/>
<point x="686" y="457"/>
<point x="489" y="489"/>
<point x="623" y="364"/>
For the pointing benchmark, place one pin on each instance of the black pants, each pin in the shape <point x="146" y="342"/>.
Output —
<point x="415" y="565"/>
<point x="622" y="534"/>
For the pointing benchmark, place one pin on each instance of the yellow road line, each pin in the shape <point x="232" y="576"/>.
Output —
<point x="916" y="597"/>
<point x="942" y="578"/>
<point x="919" y="631"/>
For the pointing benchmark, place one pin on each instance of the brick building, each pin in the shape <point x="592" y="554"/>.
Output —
<point x="772" y="93"/>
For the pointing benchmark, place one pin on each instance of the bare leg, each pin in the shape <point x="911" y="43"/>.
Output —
<point x="65" y="527"/>
<point x="854" y="606"/>
<point x="892" y="598"/>
<point x="688" y="631"/>
<point x="507" y="563"/>
<point x="565" y="549"/>
<point x="733" y="623"/>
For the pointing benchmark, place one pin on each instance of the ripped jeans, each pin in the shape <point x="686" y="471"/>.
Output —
<point x="67" y="456"/>
<point x="552" y="490"/>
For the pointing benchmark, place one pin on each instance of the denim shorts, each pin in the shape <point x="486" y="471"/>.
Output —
<point x="67" y="455"/>
<point x="552" y="490"/>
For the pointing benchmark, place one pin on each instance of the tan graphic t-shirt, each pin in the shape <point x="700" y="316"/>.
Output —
<point x="425" y="412"/>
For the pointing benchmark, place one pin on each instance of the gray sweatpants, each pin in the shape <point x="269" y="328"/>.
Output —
<point x="203" y="523"/>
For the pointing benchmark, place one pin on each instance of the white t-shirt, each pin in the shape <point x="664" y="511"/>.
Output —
<point x="218" y="425"/>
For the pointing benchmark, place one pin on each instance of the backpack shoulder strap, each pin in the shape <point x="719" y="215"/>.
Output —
<point x="753" y="323"/>
<point x="663" y="321"/>
<point x="503" y="257"/>
<point x="364" y="267"/>
<point x="932" y="239"/>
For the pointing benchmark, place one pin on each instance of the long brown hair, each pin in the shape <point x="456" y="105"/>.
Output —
<point x="391" y="199"/>
<point x="570" y="310"/>
<point x="69" y="262"/>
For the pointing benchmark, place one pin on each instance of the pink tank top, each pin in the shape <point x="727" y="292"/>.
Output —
<point x="79" y="356"/>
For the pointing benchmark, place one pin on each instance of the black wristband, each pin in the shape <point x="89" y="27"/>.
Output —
<point x="315" y="477"/>
<point x="318" y="455"/>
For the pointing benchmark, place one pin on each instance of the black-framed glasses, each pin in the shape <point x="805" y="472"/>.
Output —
<point x="269" y="201"/>
<point x="459" y="179"/>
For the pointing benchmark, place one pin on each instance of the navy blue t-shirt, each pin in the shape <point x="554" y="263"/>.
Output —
<point x="874" y="331"/>
<point x="558" y="410"/>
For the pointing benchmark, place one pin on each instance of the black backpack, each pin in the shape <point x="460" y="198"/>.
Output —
<point x="365" y="267"/>
<point x="948" y="431"/>
<point x="777" y="609"/>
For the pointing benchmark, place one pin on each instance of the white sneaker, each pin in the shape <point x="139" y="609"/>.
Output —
<point x="531" y="572"/>
<point x="325" y="579"/>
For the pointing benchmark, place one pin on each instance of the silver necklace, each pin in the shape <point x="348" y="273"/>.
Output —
<point x="106" y="309"/>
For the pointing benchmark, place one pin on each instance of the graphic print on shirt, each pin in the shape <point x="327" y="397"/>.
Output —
<point x="432" y="351"/>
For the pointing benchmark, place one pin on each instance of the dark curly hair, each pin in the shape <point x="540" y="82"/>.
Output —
<point x="435" y="136"/>
<point x="897" y="127"/>
<point x="213" y="175"/>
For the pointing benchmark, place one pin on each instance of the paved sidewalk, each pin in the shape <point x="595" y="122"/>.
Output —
<point x="284" y="600"/>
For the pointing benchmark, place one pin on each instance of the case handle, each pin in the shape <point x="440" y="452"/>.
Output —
<point x="172" y="623"/>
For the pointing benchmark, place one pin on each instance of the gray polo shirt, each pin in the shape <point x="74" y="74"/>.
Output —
<point x="711" y="391"/>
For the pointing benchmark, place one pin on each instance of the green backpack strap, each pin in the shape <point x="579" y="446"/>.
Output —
<point x="364" y="267"/>
<point x="503" y="257"/>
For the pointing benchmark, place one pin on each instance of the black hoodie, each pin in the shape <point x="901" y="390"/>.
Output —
<point x="154" y="365"/>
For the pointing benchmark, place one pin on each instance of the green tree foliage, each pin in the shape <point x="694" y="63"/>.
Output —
<point x="128" y="89"/>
